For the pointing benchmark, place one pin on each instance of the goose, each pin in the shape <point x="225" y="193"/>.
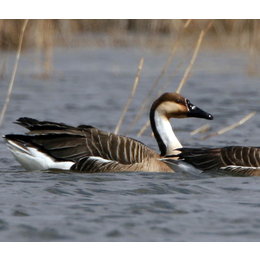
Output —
<point x="239" y="160"/>
<point x="50" y="145"/>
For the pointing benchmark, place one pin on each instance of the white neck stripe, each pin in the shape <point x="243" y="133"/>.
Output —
<point x="166" y="133"/>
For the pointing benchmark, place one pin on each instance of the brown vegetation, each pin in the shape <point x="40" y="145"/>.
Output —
<point x="20" y="41"/>
<point x="41" y="33"/>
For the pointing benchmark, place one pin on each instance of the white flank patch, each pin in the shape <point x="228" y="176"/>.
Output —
<point x="180" y="166"/>
<point x="31" y="159"/>
<point x="100" y="159"/>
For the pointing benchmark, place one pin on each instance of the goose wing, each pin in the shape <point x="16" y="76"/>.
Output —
<point x="235" y="159"/>
<point x="84" y="145"/>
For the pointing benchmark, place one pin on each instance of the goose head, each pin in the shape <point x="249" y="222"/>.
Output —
<point x="171" y="105"/>
<point x="174" y="105"/>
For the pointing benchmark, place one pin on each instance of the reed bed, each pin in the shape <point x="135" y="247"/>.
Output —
<point x="43" y="35"/>
<point x="241" y="33"/>
<point x="20" y="42"/>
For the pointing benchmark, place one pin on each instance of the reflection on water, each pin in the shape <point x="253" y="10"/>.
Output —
<point x="91" y="86"/>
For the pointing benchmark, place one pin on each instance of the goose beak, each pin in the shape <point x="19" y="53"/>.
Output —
<point x="194" y="111"/>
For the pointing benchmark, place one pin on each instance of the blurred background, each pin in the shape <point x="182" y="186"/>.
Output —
<point x="236" y="33"/>
<point x="43" y="35"/>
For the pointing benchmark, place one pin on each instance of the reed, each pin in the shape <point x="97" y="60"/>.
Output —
<point x="254" y="48"/>
<point x="200" y="130"/>
<point x="226" y="129"/>
<point x="14" y="72"/>
<point x="194" y="56"/>
<point x="143" y="129"/>
<point x="3" y="69"/>
<point x="131" y="96"/>
<point x="175" y="46"/>
<point x="44" y="31"/>
<point x="186" y="74"/>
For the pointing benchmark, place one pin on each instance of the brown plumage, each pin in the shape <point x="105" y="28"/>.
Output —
<point x="80" y="144"/>
<point x="231" y="159"/>
<point x="88" y="149"/>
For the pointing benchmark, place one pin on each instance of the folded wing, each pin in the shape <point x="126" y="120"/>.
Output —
<point x="83" y="145"/>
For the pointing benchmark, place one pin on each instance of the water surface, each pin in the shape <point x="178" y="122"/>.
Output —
<point x="91" y="86"/>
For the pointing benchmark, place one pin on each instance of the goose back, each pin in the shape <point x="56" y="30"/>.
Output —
<point x="89" y="148"/>
<point x="235" y="159"/>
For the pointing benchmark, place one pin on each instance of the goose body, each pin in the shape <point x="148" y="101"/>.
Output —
<point x="50" y="145"/>
<point x="240" y="160"/>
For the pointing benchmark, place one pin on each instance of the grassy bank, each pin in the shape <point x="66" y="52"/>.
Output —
<point x="42" y="33"/>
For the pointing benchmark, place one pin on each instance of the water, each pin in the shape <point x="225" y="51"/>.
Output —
<point x="91" y="86"/>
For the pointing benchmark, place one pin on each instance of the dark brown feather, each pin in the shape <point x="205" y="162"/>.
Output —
<point x="236" y="159"/>
<point x="68" y="143"/>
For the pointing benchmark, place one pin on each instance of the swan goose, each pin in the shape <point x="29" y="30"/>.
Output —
<point x="238" y="160"/>
<point x="50" y="145"/>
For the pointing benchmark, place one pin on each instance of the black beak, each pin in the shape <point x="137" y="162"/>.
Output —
<point x="194" y="111"/>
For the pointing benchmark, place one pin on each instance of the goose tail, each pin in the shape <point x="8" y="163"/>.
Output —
<point x="31" y="157"/>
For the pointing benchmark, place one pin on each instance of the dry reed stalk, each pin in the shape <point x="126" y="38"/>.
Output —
<point x="194" y="56"/>
<point x="220" y="32"/>
<point x="201" y="129"/>
<point x="38" y="29"/>
<point x="254" y="49"/>
<point x="14" y="72"/>
<point x="142" y="130"/>
<point x="131" y="96"/>
<point x="3" y="69"/>
<point x="224" y="130"/>
<point x="44" y="39"/>
<point x="49" y="27"/>
<point x="187" y="73"/>
<point x="140" y="111"/>
<point x="173" y="74"/>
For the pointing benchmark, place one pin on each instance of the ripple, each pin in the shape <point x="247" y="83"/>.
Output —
<point x="57" y="191"/>
<point x="83" y="192"/>
<point x="164" y="230"/>
<point x="31" y="233"/>
<point x="254" y="205"/>
<point x="65" y="205"/>
<point x="114" y="233"/>
<point x="3" y="225"/>
<point x="19" y="213"/>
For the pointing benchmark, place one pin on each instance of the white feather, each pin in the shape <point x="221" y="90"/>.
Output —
<point x="100" y="159"/>
<point x="238" y="167"/>
<point x="180" y="166"/>
<point x="32" y="159"/>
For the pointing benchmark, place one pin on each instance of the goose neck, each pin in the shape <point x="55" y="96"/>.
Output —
<point x="163" y="133"/>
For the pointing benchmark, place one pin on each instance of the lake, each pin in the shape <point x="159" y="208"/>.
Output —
<point x="91" y="86"/>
